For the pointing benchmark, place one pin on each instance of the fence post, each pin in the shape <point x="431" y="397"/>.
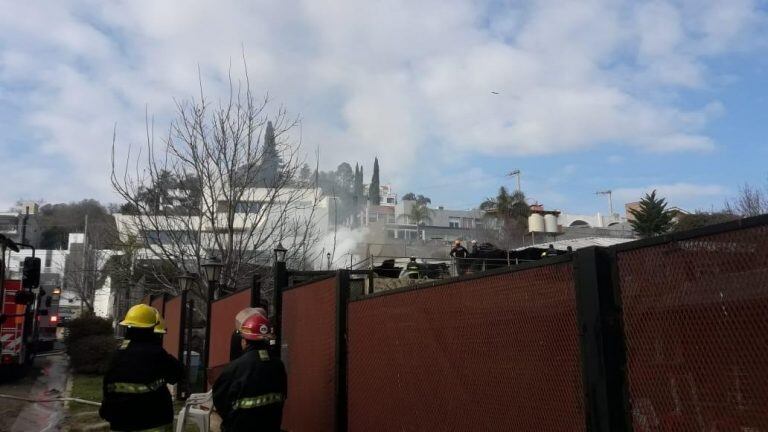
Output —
<point x="603" y="351"/>
<point x="342" y="301"/>
<point x="207" y="347"/>
<point x="256" y="291"/>
<point x="184" y="388"/>
<point x="280" y="283"/>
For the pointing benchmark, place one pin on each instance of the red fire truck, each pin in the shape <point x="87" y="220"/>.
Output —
<point x="17" y="327"/>
<point x="47" y="316"/>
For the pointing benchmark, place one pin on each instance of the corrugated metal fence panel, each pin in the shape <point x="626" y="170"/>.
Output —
<point x="309" y="343"/>
<point x="499" y="353"/>
<point x="223" y="312"/>
<point x="173" y="310"/>
<point x="696" y="325"/>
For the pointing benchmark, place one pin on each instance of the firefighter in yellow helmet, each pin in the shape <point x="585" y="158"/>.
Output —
<point x="159" y="329"/>
<point x="136" y="397"/>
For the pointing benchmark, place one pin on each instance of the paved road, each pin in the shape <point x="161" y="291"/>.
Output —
<point x="47" y="380"/>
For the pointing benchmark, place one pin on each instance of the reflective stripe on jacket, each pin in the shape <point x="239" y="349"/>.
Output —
<point x="135" y="388"/>
<point x="257" y="401"/>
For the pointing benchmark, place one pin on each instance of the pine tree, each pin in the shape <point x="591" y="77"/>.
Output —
<point x="652" y="218"/>
<point x="374" y="191"/>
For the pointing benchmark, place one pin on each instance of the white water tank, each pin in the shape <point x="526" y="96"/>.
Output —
<point x="535" y="223"/>
<point x="550" y="223"/>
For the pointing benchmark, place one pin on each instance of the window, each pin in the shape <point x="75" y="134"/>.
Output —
<point x="466" y="222"/>
<point x="453" y="222"/>
<point x="167" y="237"/>
<point x="391" y="219"/>
<point x="48" y="258"/>
<point x="248" y="207"/>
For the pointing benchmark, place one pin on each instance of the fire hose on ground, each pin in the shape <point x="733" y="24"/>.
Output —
<point x="63" y="399"/>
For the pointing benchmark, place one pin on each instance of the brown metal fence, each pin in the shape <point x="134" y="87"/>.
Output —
<point x="666" y="334"/>
<point x="223" y="312"/>
<point x="494" y="353"/>
<point x="309" y="328"/>
<point x="158" y="303"/>
<point x="172" y="341"/>
<point x="696" y="326"/>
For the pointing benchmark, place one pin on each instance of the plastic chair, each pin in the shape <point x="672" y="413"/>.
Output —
<point x="197" y="410"/>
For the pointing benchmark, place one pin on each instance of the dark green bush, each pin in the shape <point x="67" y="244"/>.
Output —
<point x="91" y="354"/>
<point x="88" y="325"/>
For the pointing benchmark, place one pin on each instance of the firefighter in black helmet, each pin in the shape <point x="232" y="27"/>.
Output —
<point x="136" y="397"/>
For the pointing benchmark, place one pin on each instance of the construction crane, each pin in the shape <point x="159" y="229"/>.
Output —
<point x="610" y="198"/>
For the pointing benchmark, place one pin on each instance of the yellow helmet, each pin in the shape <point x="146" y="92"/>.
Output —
<point x="160" y="327"/>
<point x="140" y="316"/>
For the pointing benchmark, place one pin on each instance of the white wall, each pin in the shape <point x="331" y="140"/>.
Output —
<point x="102" y="305"/>
<point x="596" y="221"/>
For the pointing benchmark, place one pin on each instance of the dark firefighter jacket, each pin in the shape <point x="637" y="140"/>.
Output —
<point x="135" y="393"/>
<point x="459" y="252"/>
<point x="250" y="392"/>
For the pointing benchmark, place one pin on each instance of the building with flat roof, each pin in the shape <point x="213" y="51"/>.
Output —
<point x="23" y="222"/>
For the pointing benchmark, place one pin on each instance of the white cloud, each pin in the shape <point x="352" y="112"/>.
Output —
<point x="682" y="195"/>
<point x="392" y="79"/>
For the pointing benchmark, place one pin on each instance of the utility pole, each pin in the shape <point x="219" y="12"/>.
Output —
<point x="610" y="198"/>
<point x="84" y="280"/>
<point x="24" y="225"/>
<point x="516" y="173"/>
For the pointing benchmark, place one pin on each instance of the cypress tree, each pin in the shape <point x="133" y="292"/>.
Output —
<point x="270" y="158"/>
<point x="374" y="191"/>
<point x="359" y="189"/>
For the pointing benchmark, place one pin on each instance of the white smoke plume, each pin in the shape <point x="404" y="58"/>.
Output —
<point x="343" y="245"/>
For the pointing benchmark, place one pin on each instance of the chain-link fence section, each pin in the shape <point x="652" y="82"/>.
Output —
<point x="498" y="353"/>
<point x="158" y="303"/>
<point x="309" y="351"/>
<point x="174" y="308"/>
<point x="696" y="326"/>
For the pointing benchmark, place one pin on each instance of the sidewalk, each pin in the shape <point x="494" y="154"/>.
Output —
<point x="51" y="383"/>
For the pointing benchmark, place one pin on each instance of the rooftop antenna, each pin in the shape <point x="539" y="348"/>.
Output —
<point x="516" y="173"/>
<point x="610" y="198"/>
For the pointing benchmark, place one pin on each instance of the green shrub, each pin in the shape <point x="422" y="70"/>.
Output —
<point x="92" y="354"/>
<point x="88" y="325"/>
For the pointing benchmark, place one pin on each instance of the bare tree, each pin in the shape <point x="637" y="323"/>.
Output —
<point x="224" y="181"/>
<point x="751" y="201"/>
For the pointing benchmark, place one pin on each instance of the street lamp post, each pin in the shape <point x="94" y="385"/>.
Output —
<point x="212" y="268"/>
<point x="281" y="276"/>
<point x="185" y="283"/>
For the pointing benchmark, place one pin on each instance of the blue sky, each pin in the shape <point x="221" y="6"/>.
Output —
<point x="592" y="95"/>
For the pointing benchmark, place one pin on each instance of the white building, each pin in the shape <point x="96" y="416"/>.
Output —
<point x="597" y="220"/>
